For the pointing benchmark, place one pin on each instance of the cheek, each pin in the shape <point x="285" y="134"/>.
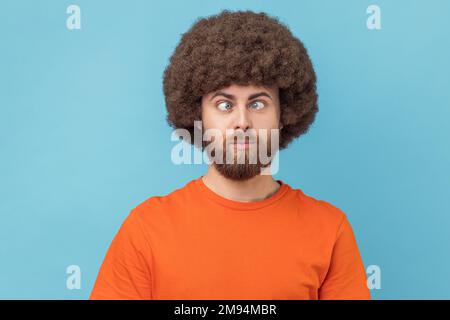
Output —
<point x="207" y="117"/>
<point x="213" y="124"/>
<point x="268" y="121"/>
<point x="212" y="130"/>
<point x="213" y="120"/>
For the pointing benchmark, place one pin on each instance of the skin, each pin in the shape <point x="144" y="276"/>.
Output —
<point x="234" y="108"/>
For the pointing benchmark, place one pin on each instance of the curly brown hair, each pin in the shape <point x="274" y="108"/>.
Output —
<point x="241" y="47"/>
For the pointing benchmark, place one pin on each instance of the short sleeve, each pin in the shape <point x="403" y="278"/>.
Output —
<point x="125" y="273"/>
<point x="346" y="277"/>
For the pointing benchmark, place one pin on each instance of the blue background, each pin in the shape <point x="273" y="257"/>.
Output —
<point x="83" y="137"/>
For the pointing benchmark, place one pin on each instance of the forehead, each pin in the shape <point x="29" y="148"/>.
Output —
<point x="245" y="90"/>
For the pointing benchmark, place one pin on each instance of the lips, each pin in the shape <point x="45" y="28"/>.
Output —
<point x="243" y="145"/>
<point x="242" y="140"/>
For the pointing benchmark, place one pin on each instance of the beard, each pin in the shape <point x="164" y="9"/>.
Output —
<point x="238" y="172"/>
<point x="241" y="164"/>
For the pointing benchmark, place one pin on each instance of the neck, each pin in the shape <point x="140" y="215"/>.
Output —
<point x="257" y="188"/>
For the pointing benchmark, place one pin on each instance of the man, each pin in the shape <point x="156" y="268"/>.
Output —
<point x="236" y="232"/>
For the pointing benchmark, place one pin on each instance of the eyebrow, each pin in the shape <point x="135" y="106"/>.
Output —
<point x="231" y="97"/>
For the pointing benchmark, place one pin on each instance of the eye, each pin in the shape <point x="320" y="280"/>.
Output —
<point x="257" y="105"/>
<point x="224" y="106"/>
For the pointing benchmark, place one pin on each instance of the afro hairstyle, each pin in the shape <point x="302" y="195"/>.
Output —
<point x="241" y="47"/>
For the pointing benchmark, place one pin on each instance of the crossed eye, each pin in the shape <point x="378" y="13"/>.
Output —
<point x="225" y="105"/>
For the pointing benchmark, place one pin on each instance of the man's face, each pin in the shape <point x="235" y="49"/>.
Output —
<point x="244" y="116"/>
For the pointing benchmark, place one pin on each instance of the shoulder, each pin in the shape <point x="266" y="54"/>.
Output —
<point x="319" y="212"/>
<point x="162" y="207"/>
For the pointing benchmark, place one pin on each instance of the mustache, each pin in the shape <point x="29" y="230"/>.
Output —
<point x="242" y="140"/>
<point x="240" y="136"/>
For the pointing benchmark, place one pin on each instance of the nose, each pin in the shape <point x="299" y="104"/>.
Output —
<point x="242" y="120"/>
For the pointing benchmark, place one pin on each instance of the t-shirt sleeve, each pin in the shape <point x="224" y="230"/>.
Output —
<point x="346" y="277"/>
<point x="125" y="273"/>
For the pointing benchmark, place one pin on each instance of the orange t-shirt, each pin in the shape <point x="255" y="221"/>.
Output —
<point x="195" y="244"/>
